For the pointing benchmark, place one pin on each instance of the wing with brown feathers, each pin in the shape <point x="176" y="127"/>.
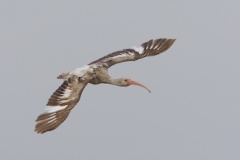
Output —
<point x="60" y="104"/>
<point x="150" y="48"/>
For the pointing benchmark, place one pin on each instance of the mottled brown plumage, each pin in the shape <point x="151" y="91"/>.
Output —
<point x="150" y="48"/>
<point x="68" y="94"/>
<point x="50" y="121"/>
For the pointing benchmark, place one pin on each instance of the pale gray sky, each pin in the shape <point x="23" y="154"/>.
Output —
<point x="191" y="114"/>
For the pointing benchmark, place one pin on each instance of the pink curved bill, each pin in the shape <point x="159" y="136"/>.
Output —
<point x="138" y="84"/>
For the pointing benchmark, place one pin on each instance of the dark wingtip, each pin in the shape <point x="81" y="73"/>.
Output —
<point x="157" y="46"/>
<point x="170" y="42"/>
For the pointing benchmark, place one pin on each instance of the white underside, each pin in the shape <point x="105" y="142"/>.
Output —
<point x="82" y="70"/>
<point x="138" y="49"/>
<point x="123" y="55"/>
<point x="67" y="93"/>
<point x="51" y="109"/>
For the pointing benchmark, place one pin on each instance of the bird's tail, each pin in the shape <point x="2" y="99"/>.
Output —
<point x="155" y="47"/>
<point x="63" y="76"/>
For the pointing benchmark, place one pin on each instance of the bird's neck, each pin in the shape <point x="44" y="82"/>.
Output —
<point x="105" y="78"/>
<point x="116" y="82"/>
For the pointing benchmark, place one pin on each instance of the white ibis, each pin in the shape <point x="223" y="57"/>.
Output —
<point x="68" y="94"/>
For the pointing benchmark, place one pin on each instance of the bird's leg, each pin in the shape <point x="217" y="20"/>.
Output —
<point x="63" y="76"/>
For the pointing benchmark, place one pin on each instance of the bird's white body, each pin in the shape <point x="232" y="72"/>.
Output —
<point x="82" y="70"/>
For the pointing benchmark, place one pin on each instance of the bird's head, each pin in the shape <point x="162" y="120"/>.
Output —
<point x="127" y="82"/>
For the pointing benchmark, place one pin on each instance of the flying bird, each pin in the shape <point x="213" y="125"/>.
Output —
<point x="68" y="94"/>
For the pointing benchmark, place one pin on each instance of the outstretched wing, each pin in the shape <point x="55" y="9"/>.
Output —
<point x="150" y="48"/>
<point x="60" y="104"/>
